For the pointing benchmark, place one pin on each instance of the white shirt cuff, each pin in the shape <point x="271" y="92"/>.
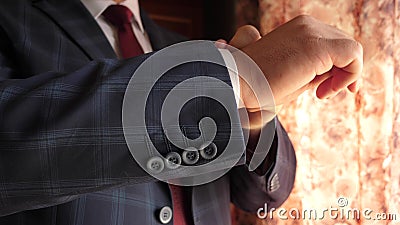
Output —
<point x="233" y="74"/>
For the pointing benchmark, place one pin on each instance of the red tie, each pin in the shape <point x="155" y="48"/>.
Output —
<point x="181" y="200"/>
<point x="121" y="17"/>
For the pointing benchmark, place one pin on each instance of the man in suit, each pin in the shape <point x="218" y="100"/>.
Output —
<point x="63" y="156"/>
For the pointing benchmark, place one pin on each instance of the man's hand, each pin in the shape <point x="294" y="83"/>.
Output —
<point x="300" y="55"/>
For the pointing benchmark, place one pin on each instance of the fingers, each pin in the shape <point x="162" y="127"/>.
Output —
<point x="244" y="36"/>
<point x="342" y="78"/>
<point x="323" y="84"/>
<point x="325" y="90"/>
<point x="339" y="80"/>
<point x="347" y="59"/>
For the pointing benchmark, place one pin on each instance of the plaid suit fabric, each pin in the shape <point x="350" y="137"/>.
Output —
<point x="63" y="156"/>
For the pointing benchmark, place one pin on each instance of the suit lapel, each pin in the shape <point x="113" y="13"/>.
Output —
<point x="72" y="17"/>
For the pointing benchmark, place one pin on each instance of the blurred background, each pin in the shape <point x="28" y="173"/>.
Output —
<point x="347" y="146"/>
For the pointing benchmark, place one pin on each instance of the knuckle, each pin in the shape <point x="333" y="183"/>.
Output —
<point x="304" y="18"/>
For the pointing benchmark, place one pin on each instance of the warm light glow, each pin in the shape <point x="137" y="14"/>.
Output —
<point x="349" y="145"/>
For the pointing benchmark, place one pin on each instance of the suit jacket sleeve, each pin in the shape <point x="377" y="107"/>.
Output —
<point x="61" y="134"/>
<point x="252" y="190"/>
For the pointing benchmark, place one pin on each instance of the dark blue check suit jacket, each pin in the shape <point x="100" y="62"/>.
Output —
<point x="63" y="157"/>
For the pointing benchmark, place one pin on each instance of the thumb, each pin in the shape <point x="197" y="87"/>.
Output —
<point x="244" y="36"/>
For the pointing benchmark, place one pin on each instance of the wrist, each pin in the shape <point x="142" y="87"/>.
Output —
<point x="255" y="92"/>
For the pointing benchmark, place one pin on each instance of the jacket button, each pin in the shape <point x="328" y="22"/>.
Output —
<point x="155" y="164"/>
<point x="165" y="215"/>
<point x="190" y="156"/>
<point x="173" y="160"/>
<point x="209" y="152"/>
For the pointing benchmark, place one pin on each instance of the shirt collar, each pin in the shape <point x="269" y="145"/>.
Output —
<point x="96" y="8"/>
